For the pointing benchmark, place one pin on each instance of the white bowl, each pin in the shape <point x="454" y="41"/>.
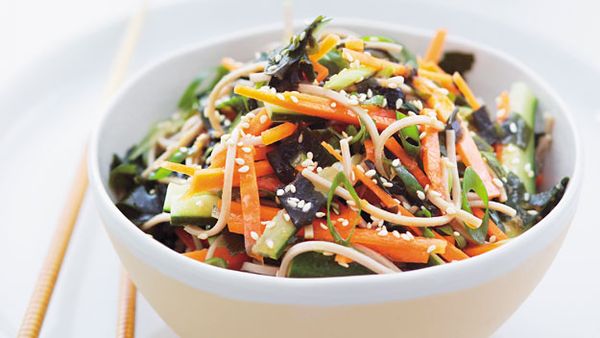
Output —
<point x="469" y="298"/>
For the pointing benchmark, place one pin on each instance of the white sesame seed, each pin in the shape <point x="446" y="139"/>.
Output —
<point x="244" y="169"/>
<point x="369" y="93"/>
<point x="421" y="195"/>
<point x="254" y="235"/>
<point x="344" y="264"/>
<point x="240" y="161"/>
<point x="497" y="182"/>
<point x="512" y="127"/>
<point x="374" y="181"/>
<point x="300" y="138"/>
<point x="399" y="103"/>
<point x="309" y="155"/>
<point x="306" y="207"/>
<point x="280" y="96"/>
<point x="246" y="149"/>
<point x="431" y="249"/>
<point x="292" y="203"/>
<point x="345" y="223"/>
<point x="492" y="238"/>
<point x="370" y="173"/>
<point x="280" y="192"/>
<point x="405" y="237"/>
<point x="396" y="233"/>
<point x="333" y="104"/>
<point x="396" y="162"/>
<point x="263" y="119"/>
<point x="320" y="214"/>
<point x="294" y="99"/>
<point x="526" y="196"/>
<point x="388" y="184"/>
<point x="456" y="233"/>
<point x="301" y="204"/>
<point x="532" y="212"/>
<point x="323" y="226"/>
<point x="292" y="188"/>
<point x="383" y="232"/>
<point x="410" y="236"/>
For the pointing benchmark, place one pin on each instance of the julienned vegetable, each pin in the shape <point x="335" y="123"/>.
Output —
<point x="338" y="155"/>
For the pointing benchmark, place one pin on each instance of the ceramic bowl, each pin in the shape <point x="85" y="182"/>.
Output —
<point x="471" y="298"/>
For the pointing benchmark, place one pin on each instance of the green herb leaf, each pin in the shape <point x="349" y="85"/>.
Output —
<point x="472" y="182"/>
<point x="340" y="179"/>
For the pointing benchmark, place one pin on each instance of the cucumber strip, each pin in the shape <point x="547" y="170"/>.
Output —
<point x="522" y="162"/>
<point x="348" y="77"/>
<point x="275" y="238"/>
<point x="174" y="191"/>
<point x="195" y="210"/>
<point x="315" y="264"/>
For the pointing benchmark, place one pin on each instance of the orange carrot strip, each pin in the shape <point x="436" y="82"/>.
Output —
<point x="387" y="200"/>
<point x="503" y="106"/>
<point x="373" y="62"/>
<point x="355" y="44"/>
<point x="258" y="123"/>
<point x="432" y="160"/>
<point x="483" y="248"/>
<point x="327" y="44"/>
<point x="396" y="249"/>
<point x="411" y="165"/>
<point x="443" y="79"/>
<point x="218" y="159"/>
<point x="235" y="222"/>
<point x="430" y="66"/>
<point x="434" y="51"/>
<point x="212" y="178"/>
<point x="493" y="229"/>
<point x="463" y="87"/>
<point x="269" y="183"/>
<point x="470" y="156"/>
<point x="199" y="255"/>
<point x="278" y="133"/>
<point x="311" y="105"/>
<point x="179" y="168"/>
<point x="321" y="71"/>
<point x="250" y="200"/>
<point x="370" y="150"/>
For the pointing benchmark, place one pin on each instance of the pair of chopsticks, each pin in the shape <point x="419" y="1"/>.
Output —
<point x="44" y="287"/>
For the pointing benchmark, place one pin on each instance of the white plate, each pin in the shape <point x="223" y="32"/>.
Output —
<point x="49" y="108"/>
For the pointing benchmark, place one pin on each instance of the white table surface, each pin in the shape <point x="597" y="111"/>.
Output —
<point x="562" y="305"/>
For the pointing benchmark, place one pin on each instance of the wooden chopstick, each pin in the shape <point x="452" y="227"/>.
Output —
<point x="44" y="287"/>
<point x="127" y="304"/>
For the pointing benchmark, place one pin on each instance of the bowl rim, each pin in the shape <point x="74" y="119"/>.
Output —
<point x="333" y="290"/>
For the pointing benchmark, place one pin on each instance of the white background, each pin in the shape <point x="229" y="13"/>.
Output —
<point x="29" y="28"/>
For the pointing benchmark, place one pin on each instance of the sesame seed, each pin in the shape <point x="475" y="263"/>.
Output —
<point x="306" y="207"/>
<point x="309" y="155"/>
<point x="456" y="234"/>
<point x="280" y="96"/>
<point x="422" y="135"/>
<point x="240" y="161"/>
<point x="532" y="212"/>
<point x="244" y="169"/>
<point x="301" y="204"/>
<point x="526" y="196"/>
<point x="421" y="195"/>
<point x="383" y="232"/>
<point x="426" y="187"/>
<point x="344" y="264"/>
<point x="492" y="238"/>
<point x="292" y="203"/>
<point x="294" y="99"/>
<point x="405" y="237"/>
<point x="396" y="233"/>
<point x="370" y="173"/>
<point x="323" y="226"/>
<point x="396" y="162"/>
<point x="497" y="182"/>
<point x="292" y="188"/>
<point x="333" y="104"/>
<point x="387" y="184"/>
<point x="345" y="223"/>
<point x="300" y="138"/>
<point x="399" y="103"/>
<point x="409" y="235"/>
<point x="246" y="149"/>
<point x="374" y="181"/>
<point x="512" y="127"/>
<point x="263" y="119"/>
<point x="320" y="214"/>
<point x="431" y="249"/>
<point x="369" y="93"/>
<point x="254" y="235"/>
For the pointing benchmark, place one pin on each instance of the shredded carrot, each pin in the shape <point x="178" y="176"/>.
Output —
<point x="369" y="150"/>
<point x="212" y="178"/>
<point x="387" y="200"/>
<point x="503" y="106"/>
<point x="278" y="133"/>
<point x="470" y="156"/>
<point x="269" y="183"/>
<point x="411" y="165"/>
<point x="322" y="71"/>
<point x="373" y="62"/>
<point x="179" y="168"/>
<point x="199" y="255"/>
<point x="463" y="87"/>
<point x="477" y="250"/>
<point x="436" y="47"/>
<point x="443" y="79"/>
<point x="258" y="123"/>
<point x="432" y="160"/>
<point x="218" y="159"/>
<point x="311" y="105"/>
<point x="430" y="66"/>
<point x="230" y="64"/>
<point x="327" y="44"/>
<point x="355" y="44"/>
<point x="342" y="260"/>
<point x="235" y="222"/>
<point x="250" y="200"/>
